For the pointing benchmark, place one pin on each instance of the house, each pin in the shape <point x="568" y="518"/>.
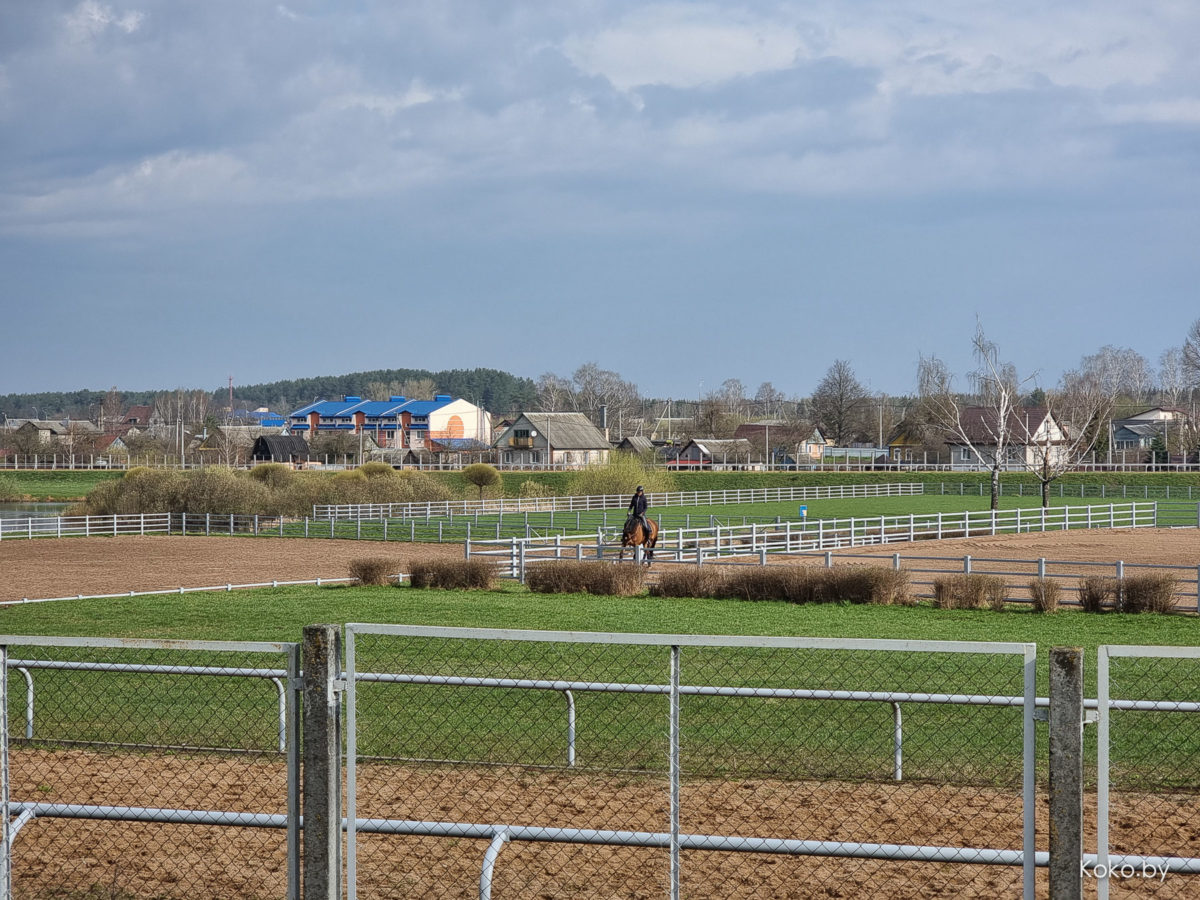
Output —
<point x="1140" y="431"/>
<point x="1027" y="432"/>
<point x="569" y="440"/>
<point x="288" y="449"/>
<point x="396" y="423"/>
<point x="797" y="443"/>
<point x="906" y="443"/>
<point x="111" y="445"/>
<point x="232" y="445"/>
<point x="40" y="431"/>
<point x="635" y="444"/>
<point x="712" y="453"/>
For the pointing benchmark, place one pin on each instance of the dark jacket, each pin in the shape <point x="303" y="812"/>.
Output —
<point x="638" y="505"/>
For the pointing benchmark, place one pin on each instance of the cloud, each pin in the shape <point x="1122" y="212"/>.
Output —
<point x="91" y="19"/>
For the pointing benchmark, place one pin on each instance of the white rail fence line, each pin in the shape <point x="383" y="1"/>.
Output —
<point x="610" y="501"/>
<point x="318" y="582"/>
<point x="724" y="543"/>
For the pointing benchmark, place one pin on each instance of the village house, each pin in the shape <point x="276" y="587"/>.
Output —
<point x="568" y="440"/>
<point x="397" y="423"/>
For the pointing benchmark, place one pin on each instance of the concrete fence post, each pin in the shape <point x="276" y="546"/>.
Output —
<point x="322" y="779"/>
<point x="1066" y="773"/>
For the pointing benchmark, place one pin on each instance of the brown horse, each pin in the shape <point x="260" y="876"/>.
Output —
<point x="633" y="535"/>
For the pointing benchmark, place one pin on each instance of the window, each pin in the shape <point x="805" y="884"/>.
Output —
<point x="521" y="432"/>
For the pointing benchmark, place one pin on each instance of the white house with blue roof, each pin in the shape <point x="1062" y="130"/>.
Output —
<point x="398" y="422"/>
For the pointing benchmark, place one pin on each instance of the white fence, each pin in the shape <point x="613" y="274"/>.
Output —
<point x="610" y="501"/>
<point x="722" y="543"/>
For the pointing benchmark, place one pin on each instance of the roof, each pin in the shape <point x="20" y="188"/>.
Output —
<point x="566" y="431"/>
<point x="137" y="415"/>
<point x="372" y="409"/>
<point x="714" y="447"/>
<point x="280" y="447"/>
<point x="637" y="443"/>
<point x="980" y="423"/>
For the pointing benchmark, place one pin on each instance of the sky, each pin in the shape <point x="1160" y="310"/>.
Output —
<point x="682" y="192"/>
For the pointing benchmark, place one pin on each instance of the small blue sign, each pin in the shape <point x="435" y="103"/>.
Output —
<point x="803" y="512"/>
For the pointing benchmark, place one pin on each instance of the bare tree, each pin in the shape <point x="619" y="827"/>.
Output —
<point x="987" y="429"/>
<point x="1075" y="416"/>
<point x="553" y="393"/>
<point x="840" y="403"/>
<point x="110" y="409"/>
<point x="768" y="401"/>
<point x="594" y="388"/>
<point x="1171" y="381"/>
<point x="1191" y="356"/>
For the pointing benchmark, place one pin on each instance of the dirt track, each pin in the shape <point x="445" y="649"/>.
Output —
<point x="57" y="568"/>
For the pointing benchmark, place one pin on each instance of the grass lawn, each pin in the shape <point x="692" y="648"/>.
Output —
<point x="53" y="485"/>
<point x="722" y="736"/>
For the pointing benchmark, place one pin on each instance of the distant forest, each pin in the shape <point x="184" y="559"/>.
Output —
<point x="494" y="390"/>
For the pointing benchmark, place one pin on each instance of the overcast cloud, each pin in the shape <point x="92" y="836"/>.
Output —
<point x="682" y="192"/>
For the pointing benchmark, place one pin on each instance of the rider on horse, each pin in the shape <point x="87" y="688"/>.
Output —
<point x="637" y="509"/>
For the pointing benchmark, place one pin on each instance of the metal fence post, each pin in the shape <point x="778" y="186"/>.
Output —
<point x="1066" y="773"/>
<point x="322" y="788"/>
<point x="5" y="816"/>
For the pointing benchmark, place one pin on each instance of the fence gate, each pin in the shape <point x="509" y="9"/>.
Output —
<point x="148" y="768"/>
<point x="1148" y="773"/>
<point x="521" y="763"/>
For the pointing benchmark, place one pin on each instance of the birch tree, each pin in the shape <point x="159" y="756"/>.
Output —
<point x="985" y="430"/>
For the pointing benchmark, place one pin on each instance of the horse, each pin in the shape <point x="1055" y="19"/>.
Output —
<point x="633" y="535"/>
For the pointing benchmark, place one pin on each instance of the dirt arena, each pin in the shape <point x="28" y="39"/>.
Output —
<point x="62" y="858"/>
<point x="61" y="568"/>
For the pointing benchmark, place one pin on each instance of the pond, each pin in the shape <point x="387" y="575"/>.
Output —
<point x="31" y="510"/>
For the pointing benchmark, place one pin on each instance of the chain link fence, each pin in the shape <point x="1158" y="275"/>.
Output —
<point x="151" y="769"/>
<point x="609" y="765"/>
<point x="1148" y="778"/>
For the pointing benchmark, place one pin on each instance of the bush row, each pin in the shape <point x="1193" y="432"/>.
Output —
<point x="790" y="584"/>
<point x="271" y="489"/>
<point x="603" y="579"/>
<point x="1152" y="592"/>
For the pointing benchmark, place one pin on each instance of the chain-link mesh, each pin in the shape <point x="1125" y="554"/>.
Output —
<point x="120" y="734"/>
<point x="1154" y="773"/>
<point x="772" y="748"/>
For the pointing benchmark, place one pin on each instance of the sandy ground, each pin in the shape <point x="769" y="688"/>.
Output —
<point x="57" y="568"/>
<point x="48" y="567"/>
<point x="67" y="859"/>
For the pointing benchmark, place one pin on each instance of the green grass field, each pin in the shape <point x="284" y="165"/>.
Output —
<point x="780" y="738"/>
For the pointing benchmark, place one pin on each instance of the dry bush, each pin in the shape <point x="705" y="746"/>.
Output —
<point x="879" y="585"/>
<point x="453" y="574"/>
<point x="1098" y="593"/>
<point x="374" y="570"/>
<point x="1045" y="593"/>
<point x="276" y="476"/>
<point x="602" y="579"/>
<point x="790" y="584"/>
<point x="968" y="591"/>
<point x="690" y="581"/>
<point x="1151" y="592"/>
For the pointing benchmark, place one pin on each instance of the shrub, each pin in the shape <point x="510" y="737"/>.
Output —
<point x="969" y="591"/>
<point x="374" y="570"/>
<point x="790" y="584"/>
<point x="1098" y="593"/>
<point x="690" y="581"/>
<point x="880" y="585"/>
<point x="620" y="475"/>
<point x="1045" y="593"/>
<point x="1152" y="592"/>
<point x="275" y="476"/>
<point x="602" y="579"/>
<point x="482" y="476"/>
<point x="216" y="489"/>
<point x="376" y="469"/>
<point x="8" y="489"/>
<point x="451" y="575"/>
<point x="534" y="489"/>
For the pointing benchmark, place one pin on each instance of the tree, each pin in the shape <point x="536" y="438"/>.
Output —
<point x="1191" y="356"/>
<point x="482" y="476"/>
<point x="553" y="393"/>
<point x="839" y="403"/>
<point x="110" y="409"/>
<point x="1171" y="380"/>
<point x="987" y="430"/>
<point x="768" y="401"/>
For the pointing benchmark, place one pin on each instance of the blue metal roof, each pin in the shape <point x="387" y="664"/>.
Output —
<point x="372" y="409"/>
